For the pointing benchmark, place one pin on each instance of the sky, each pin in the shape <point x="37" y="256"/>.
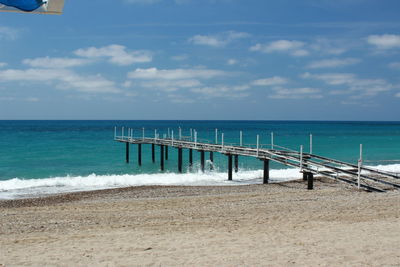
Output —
<point x="203" y="60"/>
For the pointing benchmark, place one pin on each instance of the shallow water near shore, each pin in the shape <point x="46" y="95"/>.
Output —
<point x="47" y="157"/>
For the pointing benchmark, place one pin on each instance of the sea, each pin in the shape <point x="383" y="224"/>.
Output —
<point x="39" y="158"/>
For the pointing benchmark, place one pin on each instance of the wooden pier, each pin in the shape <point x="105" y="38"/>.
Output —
<point x="309" y="164"/>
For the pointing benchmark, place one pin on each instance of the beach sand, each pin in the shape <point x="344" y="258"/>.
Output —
<point x="256" y="225"/>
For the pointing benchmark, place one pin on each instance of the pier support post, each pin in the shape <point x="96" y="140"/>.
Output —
<point x="166" y="152"/>
<point x="230" y="167"/>
<point x="153" y="153"/>
<point x="190" y="157"/>
<point x="180" y="160"/>
<point x="236" y="163"/>
<point x="310" y="181"/>
<point x="202" y="160"/>
<point x="127" y="153"/>
<point x="211" y="160"/>
<point x="266" y="172"/>
<point x="140" y="154"/>
<point x="162" y="157"/>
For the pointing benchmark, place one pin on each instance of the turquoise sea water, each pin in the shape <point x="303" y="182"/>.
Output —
<point x="39" y="150"/>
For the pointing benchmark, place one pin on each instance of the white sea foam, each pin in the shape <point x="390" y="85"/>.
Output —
<point x="395" y="168"/>
<point x="23" y="188"/>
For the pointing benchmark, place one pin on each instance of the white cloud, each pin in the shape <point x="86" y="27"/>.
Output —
<point x="297" y="48"/>
<point x="222" y="91"/>
<point x="116" y="54"/>
<point x="175" y="74"/>
<point x="296" y="93"/>
<point x="174" y="79"/>
<point x="329" y="47"/>
<point x="398" y="95"/>
<point x="7" y="33"/>
<point x="3" y="64"/>
<point x="131" y="94"/>
<point x="300" y="53"/>
<point x="294" y="48"/>
<point x="41" y="75"/>
<point x="332" y="78"/>
<point x="7" y="98"/>
<point x="90" y="84"/>
<point x="47" y="62"/>
<point x="25" y="99"/>
<point x="386" y="41"/>
<point x="219" y="40"/>
<point x="207" y="40"/>
<point x="32" y="99"/>
<point x="127" y="84"/>
<point x="64" y="79"/>
<point x="180" y="57"/>
<point x="354" y="85"/>
<point x="276" y="80"/>
<point x="232" y="62"/>
<point x="281" y="45"/>
<point x="170" y="85"/>
<point x="180" y="99"/>
<point x="333" y="63"/>
<point x="394" y="65"/>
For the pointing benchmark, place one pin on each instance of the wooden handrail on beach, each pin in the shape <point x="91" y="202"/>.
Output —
<point x="309" y="164"/>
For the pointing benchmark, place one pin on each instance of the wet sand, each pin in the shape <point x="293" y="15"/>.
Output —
<point x="256" y="225"/>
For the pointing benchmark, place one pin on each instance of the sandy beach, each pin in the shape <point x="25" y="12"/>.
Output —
<point x="255" y="225"/>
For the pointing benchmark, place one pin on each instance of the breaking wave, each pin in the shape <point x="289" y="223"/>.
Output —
<point x="23" y="188"/>
<point x="26" y="188"/>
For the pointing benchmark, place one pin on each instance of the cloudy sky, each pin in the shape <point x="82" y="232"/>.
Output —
<point x="203" y="59"/>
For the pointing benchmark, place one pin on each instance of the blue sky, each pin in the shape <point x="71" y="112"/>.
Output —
<point x="203" y="59"/>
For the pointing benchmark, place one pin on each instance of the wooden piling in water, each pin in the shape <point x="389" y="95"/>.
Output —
<point x="236" y="163"/>
<point x="140" y="154"/>
<point x="180" y="160"/>
<point x="153" y="153"/>
<point x="211" y="160"/>
<point x="162" y="157"/>
<point x="230" y="167"/>
<point x="190" y="157"/>
<point x="166" y="152"/>
<point x="127" y="153"/>
<point x="266" y="172"/>
<point x="202" y="160"/>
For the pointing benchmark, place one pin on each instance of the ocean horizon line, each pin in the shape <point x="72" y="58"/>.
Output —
<point x="205" y="120"/>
